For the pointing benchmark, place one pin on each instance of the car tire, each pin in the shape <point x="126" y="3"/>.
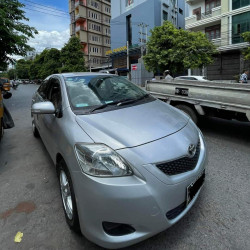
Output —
<point x="68" y="197"/>
<point x="34" y="130"/>
<point x="1" y="129"/>
<point x="189" y="111"/>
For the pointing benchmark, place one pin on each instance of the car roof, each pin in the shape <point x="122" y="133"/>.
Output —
<point x="82" y="74"/>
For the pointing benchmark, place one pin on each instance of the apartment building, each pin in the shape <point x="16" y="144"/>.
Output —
<point x="127" y="15"/>
<point x="223" y="22"/>
<point x="90" y="21"/>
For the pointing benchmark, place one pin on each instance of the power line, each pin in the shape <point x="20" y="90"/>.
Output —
<point x="46" y="13"/>
<point x="47" y="6"/>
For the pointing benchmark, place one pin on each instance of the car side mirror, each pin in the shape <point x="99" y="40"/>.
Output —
<point x="43" y="108"/>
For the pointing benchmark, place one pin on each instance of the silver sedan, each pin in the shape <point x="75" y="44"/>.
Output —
<point x="129" y="165"/>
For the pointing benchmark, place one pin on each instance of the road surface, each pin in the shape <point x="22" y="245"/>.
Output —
<point x="30" y="199"/>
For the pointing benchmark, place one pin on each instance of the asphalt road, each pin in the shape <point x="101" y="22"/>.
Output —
<point x="30" y="199"/>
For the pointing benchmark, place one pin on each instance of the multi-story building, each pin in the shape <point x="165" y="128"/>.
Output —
<point x="132" y="21"/>
<point x="223" y="22"/>
<point x="128" y="15"/>
<point x="90" y="21"/>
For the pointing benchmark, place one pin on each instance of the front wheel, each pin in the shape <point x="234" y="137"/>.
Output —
<point x="68" y="197"/>
<point x="189" y="111"/>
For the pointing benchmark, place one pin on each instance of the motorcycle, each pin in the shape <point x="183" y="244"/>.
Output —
<point x="15" y="85"/>
<point x="6" y="121"/>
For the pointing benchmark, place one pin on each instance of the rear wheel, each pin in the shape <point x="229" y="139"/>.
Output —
<point x="68" y="197"/>
<point x="34" y="130"/>
<point x="189" y="111"/>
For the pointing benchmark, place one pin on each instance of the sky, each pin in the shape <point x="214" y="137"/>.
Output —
<point x="51" y="19"/>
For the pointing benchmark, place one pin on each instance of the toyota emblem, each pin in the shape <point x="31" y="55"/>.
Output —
<point x="191" y="150"/>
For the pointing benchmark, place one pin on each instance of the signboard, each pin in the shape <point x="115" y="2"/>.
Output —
<point x="134" y="67"/>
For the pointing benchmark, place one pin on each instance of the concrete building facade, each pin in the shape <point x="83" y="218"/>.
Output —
<point x="223" y="22"/>
<point x="90" y="21"/>
<point x="130" y="18"/>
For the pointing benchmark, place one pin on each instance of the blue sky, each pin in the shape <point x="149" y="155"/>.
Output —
<point x="51" y="19"/>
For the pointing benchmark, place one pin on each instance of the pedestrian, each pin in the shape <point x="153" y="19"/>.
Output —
<point x="244" y="77"/>
<point x="167" y="75"/>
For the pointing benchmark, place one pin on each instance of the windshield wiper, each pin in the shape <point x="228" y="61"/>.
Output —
<point x="102" y="106"/>
<point x="118" y="103"/>
<point x="128" y="101"/>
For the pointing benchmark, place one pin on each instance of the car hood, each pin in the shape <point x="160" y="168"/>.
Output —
<point x="133" y="126"/>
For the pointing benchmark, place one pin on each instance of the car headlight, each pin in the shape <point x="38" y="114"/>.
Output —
<point x="101" y="161"/>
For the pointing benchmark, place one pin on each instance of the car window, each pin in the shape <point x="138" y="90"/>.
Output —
<point x="43" y="88"/>
<point x="89" y="91"/>
<point x="53" y="92"/>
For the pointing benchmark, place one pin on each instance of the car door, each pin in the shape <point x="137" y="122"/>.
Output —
<point x="40" y="96"/>
<point x="51" y="123"/>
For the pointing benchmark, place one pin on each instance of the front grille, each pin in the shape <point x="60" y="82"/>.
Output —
<point x="181" y="165"/>
<point x="176" y="211"/>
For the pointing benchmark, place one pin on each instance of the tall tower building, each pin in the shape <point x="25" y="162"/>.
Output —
<point x="90" y="22"/>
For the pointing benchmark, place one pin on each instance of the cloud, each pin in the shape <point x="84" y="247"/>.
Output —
<point x="49" y="39"/>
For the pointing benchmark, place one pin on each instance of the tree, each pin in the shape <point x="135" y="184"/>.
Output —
<point x="13" y="33"/>
<point x="12" y="74"/>
<point x="246" y="52"/>
<point x="22" y="69"/>
<point x="72" y="56"/>
<point x="177" y="49"/>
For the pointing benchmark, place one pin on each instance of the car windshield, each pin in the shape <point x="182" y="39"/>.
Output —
<point x="93" y="92"/>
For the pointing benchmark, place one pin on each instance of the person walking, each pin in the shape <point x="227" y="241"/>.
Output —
<point x="168" y="76"/>
<point x="244" y="77"/>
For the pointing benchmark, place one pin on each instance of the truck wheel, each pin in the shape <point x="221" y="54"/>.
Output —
<point x="1" y="129"/>
<point x="189" y="111"/>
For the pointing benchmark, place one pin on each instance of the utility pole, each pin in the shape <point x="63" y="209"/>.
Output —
<point x="89" y="63"/>
<point x="146" y="26"/>
<point x="128" y="75"/>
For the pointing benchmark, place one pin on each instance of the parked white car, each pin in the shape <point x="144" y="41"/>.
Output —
<point x="192" y="78"/>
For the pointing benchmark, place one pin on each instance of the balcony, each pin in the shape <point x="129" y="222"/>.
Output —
<point x="80" y="27"/>
<point x="80" y="16"/>
<point x="190" y="2"/>
<point x="203" y="18"/>
<point x="81" y="34"/>
<point x="81" y="3"/>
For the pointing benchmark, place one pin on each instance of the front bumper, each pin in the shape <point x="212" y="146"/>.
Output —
<point x="141" y="201"/>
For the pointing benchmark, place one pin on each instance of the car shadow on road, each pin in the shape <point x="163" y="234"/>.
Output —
<point x="230" y="130"/>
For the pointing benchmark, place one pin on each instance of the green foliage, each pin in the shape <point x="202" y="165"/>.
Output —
<point x="12" y="74"/>
<point x="246" y="37"/>
<point x="22" y="69"/>
<point x="45" y="64"/>
<point x="72" y="56"/>
<point x="177" y="49"/>
<point x="13" y="33"/>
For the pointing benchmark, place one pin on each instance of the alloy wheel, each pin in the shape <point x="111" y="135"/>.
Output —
<point x="66" y="195"/>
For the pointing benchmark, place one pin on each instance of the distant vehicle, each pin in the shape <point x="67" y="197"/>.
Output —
<point x="192" y="78"/>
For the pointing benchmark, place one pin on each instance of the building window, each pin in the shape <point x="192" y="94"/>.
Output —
<point x="240" y="24"/>
<point x="165" y="15"/>
<point x="180" y="11"/>
<point x="236" y="4"/>
<point x="210" y="4"/>
<point x="197" y="12"/>
<point x="129" y="3"/>
<point x="213" y="32"/>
